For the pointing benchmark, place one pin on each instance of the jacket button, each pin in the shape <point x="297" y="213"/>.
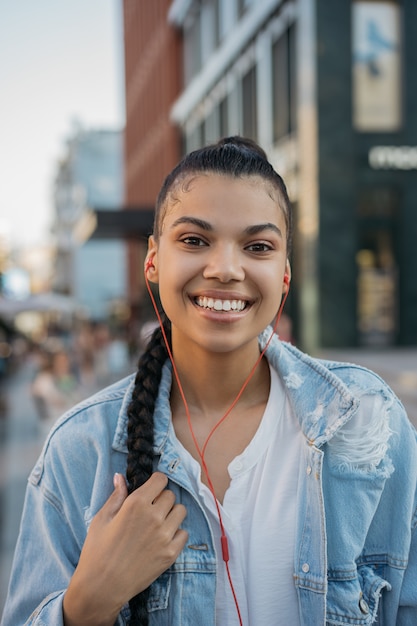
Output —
<point x="363" y="605"/>
<point x="305" y="567"/>
<point x="173" y="465"/>
<point x="308" y="470"/>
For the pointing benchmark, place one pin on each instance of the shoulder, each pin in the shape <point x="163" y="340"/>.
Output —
<point x="357" y="378"/>
<point x="357" y="375"/>
<point x="378" y="421"/>
<point x="380" y="429"/>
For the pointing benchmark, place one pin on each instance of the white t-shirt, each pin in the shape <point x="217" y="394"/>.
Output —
<point x="259" y="514"/>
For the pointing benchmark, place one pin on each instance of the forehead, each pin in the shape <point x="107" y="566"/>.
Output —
<point x="212" y="191"/>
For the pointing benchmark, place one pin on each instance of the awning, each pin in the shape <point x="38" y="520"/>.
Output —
<point x="125" y="223"/>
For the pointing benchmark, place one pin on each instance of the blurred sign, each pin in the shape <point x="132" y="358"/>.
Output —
<point x="393" y="157"/>
<point x="376" y="66"/>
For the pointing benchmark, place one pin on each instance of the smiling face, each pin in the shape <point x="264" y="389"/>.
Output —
<point x="220" y="260"/>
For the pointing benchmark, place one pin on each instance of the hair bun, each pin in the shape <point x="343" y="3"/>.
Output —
<point x="243" y="142"/>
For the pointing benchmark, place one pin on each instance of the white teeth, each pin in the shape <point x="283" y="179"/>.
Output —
<point x="221" y="305"/>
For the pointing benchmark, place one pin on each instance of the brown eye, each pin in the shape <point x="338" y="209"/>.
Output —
<point x="259" y="247"/>
<point x="193" y="241"/>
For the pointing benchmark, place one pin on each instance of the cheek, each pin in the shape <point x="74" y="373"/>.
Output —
<point x="172" y="280"/>
<point x="272" y="290"/>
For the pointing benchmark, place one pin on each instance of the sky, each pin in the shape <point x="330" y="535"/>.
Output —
<point x="60" y="61"/>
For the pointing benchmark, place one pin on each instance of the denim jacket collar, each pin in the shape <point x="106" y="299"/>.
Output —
<point x="321" y="401"/>
<point x="322" y="409"/>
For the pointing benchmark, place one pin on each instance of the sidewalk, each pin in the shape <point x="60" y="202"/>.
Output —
<point x="20" y="445"/>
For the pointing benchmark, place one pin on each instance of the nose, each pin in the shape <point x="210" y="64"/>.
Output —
<point x="225" y="264"/>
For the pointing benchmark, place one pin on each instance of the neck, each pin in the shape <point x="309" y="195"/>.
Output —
<point x="211" y="382"/>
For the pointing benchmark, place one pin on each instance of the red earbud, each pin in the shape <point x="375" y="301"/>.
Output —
<point x="286" y="279"/>
<point x="149" y="264"/>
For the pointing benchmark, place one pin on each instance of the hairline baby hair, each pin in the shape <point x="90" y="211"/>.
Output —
<point x="232" y="156"/>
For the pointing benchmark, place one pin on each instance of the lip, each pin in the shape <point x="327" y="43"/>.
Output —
<point x="221" y="295"/>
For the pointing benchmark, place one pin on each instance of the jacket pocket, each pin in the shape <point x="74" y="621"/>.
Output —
<point x="353" y="597"/>
<point x="159" y="593"/>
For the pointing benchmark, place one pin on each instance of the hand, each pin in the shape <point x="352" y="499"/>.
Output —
<point x="130" y="542"/>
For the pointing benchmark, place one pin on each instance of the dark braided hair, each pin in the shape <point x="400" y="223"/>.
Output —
<point x="140" y="436"/>
<point x="231" y="156"/>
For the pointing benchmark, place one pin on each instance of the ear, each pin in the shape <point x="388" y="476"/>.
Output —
<point x="151" y="260"/>
<point x="287" y="277"/>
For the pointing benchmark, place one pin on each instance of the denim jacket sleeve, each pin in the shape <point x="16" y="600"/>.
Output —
<point x="69" y="484"/>
<point x="404" y="451"/>
<point x="407" y="611"/>
<point x="40" y="558"/>
<point x="385" y="547"/>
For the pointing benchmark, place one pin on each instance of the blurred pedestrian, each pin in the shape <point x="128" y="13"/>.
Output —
<point x="83" y="346"/>
<point x="264" y="487"/>
<point x="54" y="388"/>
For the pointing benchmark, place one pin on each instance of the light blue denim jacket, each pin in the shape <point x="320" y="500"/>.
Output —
<point x="355" y="560"/>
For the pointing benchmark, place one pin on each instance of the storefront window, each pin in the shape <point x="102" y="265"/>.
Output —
<point x="377" y="268"/>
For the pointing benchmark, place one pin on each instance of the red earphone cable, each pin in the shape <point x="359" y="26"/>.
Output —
<point x="201" y="451"/>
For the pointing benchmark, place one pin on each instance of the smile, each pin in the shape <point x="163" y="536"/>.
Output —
<point x="220" y="305"/>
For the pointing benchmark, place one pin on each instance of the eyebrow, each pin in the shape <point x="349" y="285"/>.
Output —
<point x="194" y="221"/>
<point x="250" y="230"/>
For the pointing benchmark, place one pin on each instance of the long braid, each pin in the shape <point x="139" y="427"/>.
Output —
<point x="140" y="436"/>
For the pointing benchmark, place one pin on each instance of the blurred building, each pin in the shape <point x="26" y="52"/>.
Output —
<point x="89" y="182"/>
<point x="329" y="90"/>
<point x="153" y="71"/>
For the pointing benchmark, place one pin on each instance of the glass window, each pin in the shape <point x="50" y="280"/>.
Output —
<point x="284" y="84"/>
<point x="249" y="108"/>
<point x="211" y="127"/>
<point x="376" y="65"/>
<point x="243" y="5"/>
<point x="192" y="47"/>
<point x="209" y="33"/>
<point x="292" y="77"/>
<point x="223" y="115"/>
<point x="220" y="23"/>
<point x="195" y="138"/>
<point x="377" y="267"/>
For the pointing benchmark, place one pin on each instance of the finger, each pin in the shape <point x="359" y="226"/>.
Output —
<point x="176" y="516"/>
<point x="152" y="488"/>
<point x="180" y="539"/>
<point x="164" y="501"/>
<point x="178" y="544"/>
<point x="173" y="522"/>
<point x="119" y="481"/>
<point x="118" y="496"/>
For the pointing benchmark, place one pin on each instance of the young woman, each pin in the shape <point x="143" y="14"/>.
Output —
<point x="263" y="487"/>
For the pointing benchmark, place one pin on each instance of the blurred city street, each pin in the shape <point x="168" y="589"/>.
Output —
<point x="21" y="434"/>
